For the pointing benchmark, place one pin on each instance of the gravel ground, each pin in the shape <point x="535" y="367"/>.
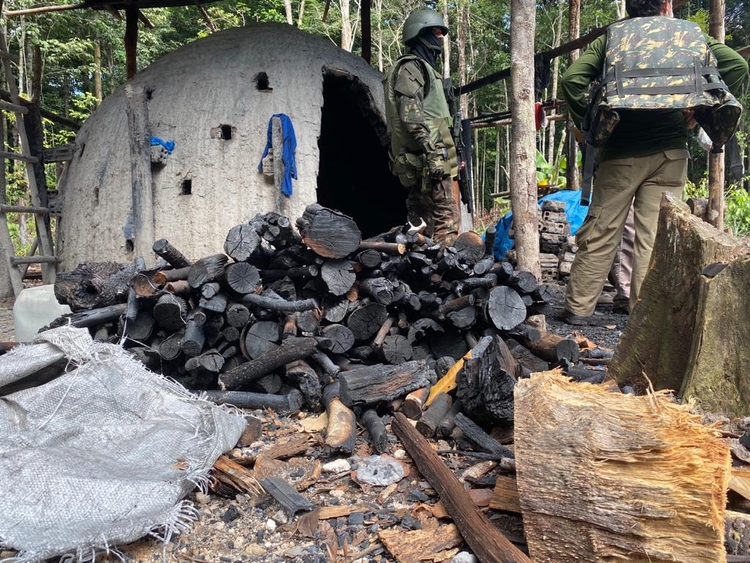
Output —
<point x="250" y="529"/>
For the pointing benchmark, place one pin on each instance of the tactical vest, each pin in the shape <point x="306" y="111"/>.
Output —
<point x="662" y="63"/>
<point x="407" y="159"/>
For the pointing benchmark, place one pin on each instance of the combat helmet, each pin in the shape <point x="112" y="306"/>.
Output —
<point x="419" y="20"/>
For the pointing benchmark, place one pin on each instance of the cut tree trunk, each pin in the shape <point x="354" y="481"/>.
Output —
<point x="604" y="476"/>
<point x="686" y="321"/>
<point x="378" y="383"/>
<point x="330" y="234"/>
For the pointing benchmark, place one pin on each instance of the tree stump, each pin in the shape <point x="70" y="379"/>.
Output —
<point x="683" y="334"/>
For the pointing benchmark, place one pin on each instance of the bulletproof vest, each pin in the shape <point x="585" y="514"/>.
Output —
<point x="662" y="63"/>
<point x="404" y="151"/>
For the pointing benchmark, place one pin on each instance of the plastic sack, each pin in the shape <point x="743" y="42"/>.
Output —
<point x="101" y="455"/>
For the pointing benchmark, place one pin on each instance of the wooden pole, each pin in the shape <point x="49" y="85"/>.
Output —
<point x="131" y="41"/>
<point x="43" y="10"/>
<point x="716" y="160"/>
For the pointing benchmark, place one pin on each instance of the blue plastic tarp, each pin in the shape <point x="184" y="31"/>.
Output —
<point x="574" y="211"/>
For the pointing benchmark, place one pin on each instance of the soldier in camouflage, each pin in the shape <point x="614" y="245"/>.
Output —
<point x="657" y="75"/>
<point x="422" y="151"/>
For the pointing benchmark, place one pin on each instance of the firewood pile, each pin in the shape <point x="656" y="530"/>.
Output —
<point x="284" y="314"/>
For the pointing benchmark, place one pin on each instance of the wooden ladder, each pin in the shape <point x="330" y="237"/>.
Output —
<point x="46" y="256"/>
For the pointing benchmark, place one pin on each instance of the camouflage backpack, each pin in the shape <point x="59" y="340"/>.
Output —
<point x="662" y="63"/>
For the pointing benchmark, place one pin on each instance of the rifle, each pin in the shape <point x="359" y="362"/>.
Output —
<point x="461" y="133"/>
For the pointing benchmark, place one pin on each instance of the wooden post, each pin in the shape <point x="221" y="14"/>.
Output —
<point x="716" y="160"/>
<point x="365" y="11"/>
<point x="142" y="210"/>
<point x="131" y="41"/>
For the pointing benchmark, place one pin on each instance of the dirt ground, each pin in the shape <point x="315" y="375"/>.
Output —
<point x="250" y="529"/>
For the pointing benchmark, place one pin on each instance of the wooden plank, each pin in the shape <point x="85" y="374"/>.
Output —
<point x="17" y="260"/>
<point x="19" y="156"/>
<point x="142" y="211"/>
<point x="23" y="209"/>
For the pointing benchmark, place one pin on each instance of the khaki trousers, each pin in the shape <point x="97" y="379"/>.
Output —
<point x="640" y="180"/>
<point x="622" y="265"/>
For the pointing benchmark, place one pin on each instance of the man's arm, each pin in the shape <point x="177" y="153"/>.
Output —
<point x="576" y="80"/>
<point x="410" y="90"/>
<point x="732" y="66"/>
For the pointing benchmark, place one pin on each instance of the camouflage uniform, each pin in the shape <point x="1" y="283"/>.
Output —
<point x="423" y="154"/>
<point x="644" y="149"/>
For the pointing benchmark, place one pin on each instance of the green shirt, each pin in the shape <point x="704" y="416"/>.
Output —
<point x="641" y="133"/>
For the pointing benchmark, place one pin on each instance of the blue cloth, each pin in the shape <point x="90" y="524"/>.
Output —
<point x="574" y="211"/>
<point x="169" y="145"/>
<point x="287" y="157"/>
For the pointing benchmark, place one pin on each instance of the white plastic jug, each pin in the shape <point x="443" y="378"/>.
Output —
<point x="34" y="308"/>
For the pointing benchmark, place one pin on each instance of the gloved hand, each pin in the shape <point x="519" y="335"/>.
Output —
<point x="435" y="166"/>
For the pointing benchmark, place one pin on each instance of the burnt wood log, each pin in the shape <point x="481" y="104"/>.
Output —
<point x="393" y="248"/>
<point x="470" y="247"/>
<point x="396" y="349"/>
<point x="446" y="425"/>
<point x="335" y="309"/>
<point x="289" y="327"/>
<point x="242" y="242"/>
<point x="141" y="328"/>
<point x="209" y="290"/>
<point x="308" y="322"/>
<point x="326" y="364"/>
<point x="328" y="233"/>
<point x="523" y="281"/>
<point x="290" y="402"/>
<point x="215" y="304"/>
<point x="464" y="318"/>
<point x="171" y="347"/>
<point x="174" y="257"/>
<point x="170" y="312"/>
<point x="94" y="285"/>
<point x="383" y="331"/>
<point x="260" y="338"/>
<point x="378" y="383"/>
<point x="369" y="258"/>
<point x="270" y="384"/>
<point x="365" y="321"/>
<point x="529" y="361"/>
<point x="237" y="315"/>
<point x="380" y="289"/>
<point x="163" y="276"/>
<point x="485" y="385"/>
<point x="503" y="270"/>
<point x="474" y="433"/>
<point x="208" y="269"/>
<point x="178" y="287"/>
<point x="505" y="308"/>
<point x="485" y="540"/>
<point x="338" y="276"/>
<point x="428" y="422"/>
<point x="279" y="305"/>
<point x="339" y="338"/>
<point x="375" y="430"/>
<point x="295" y="272"/>
<point x="341" y="433"/>
<point x="462" y="287"/>
<point x="553" y="348"/>
<point x="242" y="277"/>
<point x="308" y="382"/>
<point x="194" y="337"/>
<point x="291" y="349"/>
<point x="290" y="500"/>
<point x="489" y="240"/>
<point x="483" y="266"/>
<point x="414" y="401"/>
<point x="210" y="361"/>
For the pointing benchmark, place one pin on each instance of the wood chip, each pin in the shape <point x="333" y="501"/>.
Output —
<point x="420" y="545"/>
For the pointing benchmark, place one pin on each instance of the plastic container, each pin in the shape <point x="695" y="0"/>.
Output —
<point x="34" y="308"/>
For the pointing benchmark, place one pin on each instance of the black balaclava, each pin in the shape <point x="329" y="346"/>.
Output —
<point x="427" y="46"/>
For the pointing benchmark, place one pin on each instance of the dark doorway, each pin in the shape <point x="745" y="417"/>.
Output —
<point x="354" y="176"/>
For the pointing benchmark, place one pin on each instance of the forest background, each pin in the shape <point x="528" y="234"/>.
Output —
<point x="71" y="60"/>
